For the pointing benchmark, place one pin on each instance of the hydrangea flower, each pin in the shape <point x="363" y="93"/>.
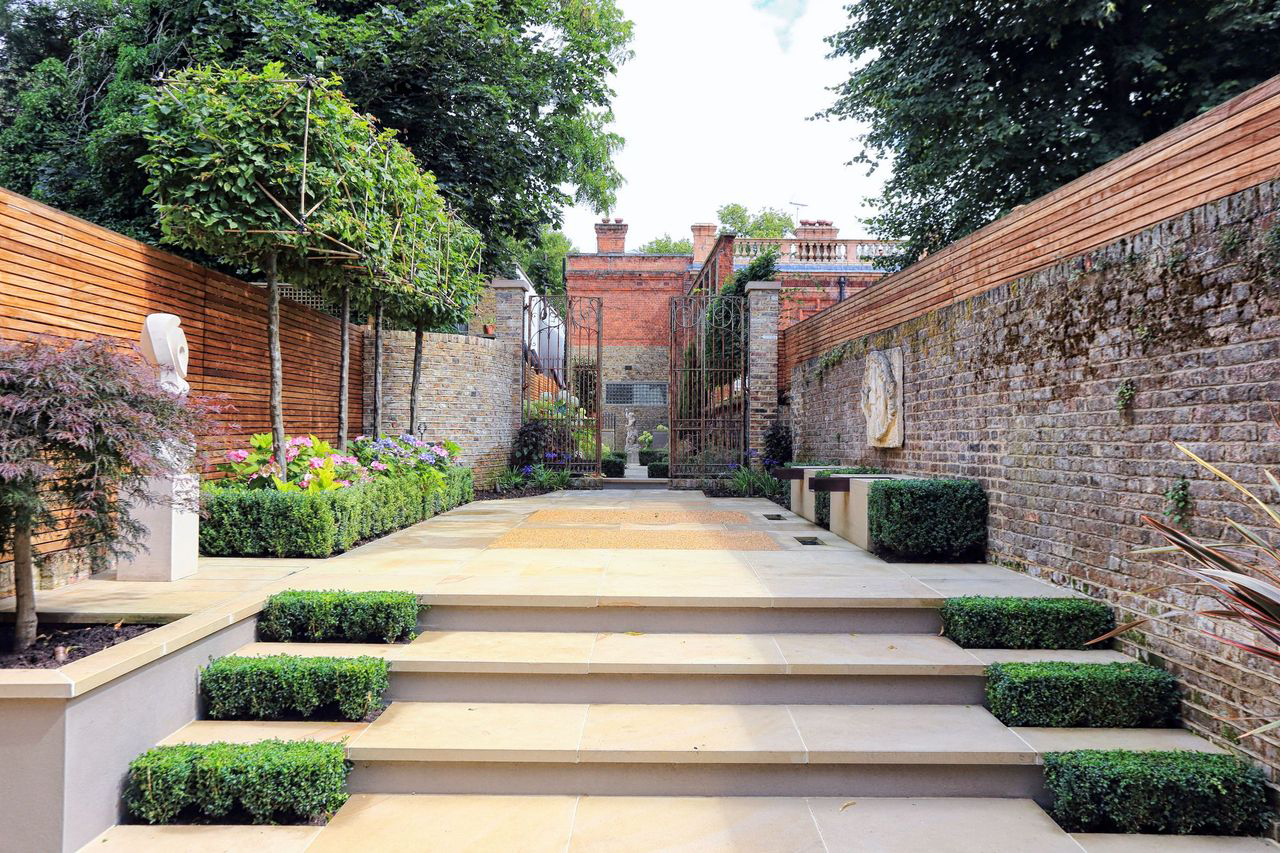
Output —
<point x="237" y="455"/>
<point x="315" y="462"/>
<point x="378" y="466"/>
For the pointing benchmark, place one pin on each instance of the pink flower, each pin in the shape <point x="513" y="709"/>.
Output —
<point x="290" y="454"/>
<point x="237" y="455"/>
<point x="306" y="481"/>
<point x="300" y="441"/>
<point x="344" y="482"/>
<point x="439" y="450"/>
<point x="378" y="466"/>
<point x="315" y="462"/>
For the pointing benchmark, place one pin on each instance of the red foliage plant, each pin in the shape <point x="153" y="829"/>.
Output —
<point x="83" y="427"/>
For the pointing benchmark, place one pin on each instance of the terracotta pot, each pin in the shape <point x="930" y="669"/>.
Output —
<point x="490" y="329"/>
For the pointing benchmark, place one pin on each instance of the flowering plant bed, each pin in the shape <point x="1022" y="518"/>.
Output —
<point x="324" y="502"/>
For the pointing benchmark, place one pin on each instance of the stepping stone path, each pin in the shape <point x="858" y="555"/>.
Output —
<point x="651" y="670"/>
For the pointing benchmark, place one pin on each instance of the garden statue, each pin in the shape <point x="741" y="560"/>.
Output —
<point x="632" y="446"/>
<point x="172" y="518"/>
<point x="882" y="398"/>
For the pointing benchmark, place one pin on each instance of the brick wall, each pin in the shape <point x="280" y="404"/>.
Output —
<point x="1017" y="387"/>
<point x="465" y="394"/>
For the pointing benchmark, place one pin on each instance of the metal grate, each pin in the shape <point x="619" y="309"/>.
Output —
<point x="809" y="540"/>
<point x="636" y="393"/>
<point x="773" y="516"/>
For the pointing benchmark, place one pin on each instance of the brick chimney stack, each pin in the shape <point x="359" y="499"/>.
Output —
<point x="816" y="229"/>
<point x="611" y="237"/>
<point x="704" y="237"/>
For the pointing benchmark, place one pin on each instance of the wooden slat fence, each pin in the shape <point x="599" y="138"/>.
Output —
<point x="1227" y="149"/>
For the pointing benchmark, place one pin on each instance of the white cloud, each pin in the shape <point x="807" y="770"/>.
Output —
<point x="715" y="108"/>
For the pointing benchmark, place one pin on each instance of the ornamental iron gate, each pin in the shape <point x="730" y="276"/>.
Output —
<point x="560" y="379"/>
<point x="708" y="391"/>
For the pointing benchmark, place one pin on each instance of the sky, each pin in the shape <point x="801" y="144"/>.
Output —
<point x="714" y="108"/>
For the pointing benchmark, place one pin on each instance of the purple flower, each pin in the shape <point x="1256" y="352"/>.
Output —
<point x="527" y="470"/>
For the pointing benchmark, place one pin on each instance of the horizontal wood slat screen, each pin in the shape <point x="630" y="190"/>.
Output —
<point x="65" y="277"/>
<point x="1227" y="149"/>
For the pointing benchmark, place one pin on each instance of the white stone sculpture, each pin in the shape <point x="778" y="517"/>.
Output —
<point x="165" y="345"/>
<point x="882" y="398"/>
<point x="171" y="549"/>
<point x="632" y="446"/>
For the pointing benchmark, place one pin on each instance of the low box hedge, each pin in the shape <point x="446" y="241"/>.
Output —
<point x="1083" y="695"/>
<point x="1167" y="792"/>
<point x="648" y="457"/>
<point x="659" y="470"/>
<point x="985" y="622"/>
<point x="276" y="686"/>
<point x="240" y="522"/>
<point x="613" y="466"/>
<point x="927" y="519"/>
<point x="273" y="781"/>
<point x="330" y="615"/>
<point x="822" y="500"/>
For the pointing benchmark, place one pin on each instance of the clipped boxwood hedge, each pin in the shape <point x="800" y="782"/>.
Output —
<point x="268" y="688"/>
<point x="984" y="622"/>
<point x="1168" y="792"/>
<point x="331" y="615"/>
<point x="1084" y="695"/>
<point x="239" y="522"/>
<point x="927" y="519"/>
<point x="613" y="465"/>
<point x="822" y="500"/>
<point x="659" y="470"/>
<point x="273" y="781"/>
<point x="648" y="457"/>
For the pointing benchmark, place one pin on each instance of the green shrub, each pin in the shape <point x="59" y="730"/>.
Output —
<point x="240" y="522"/>
<point x="273" y="781"/>
<point x="648" y="457"/>
<point x="822" y="500"/>
<point x="659" y="470"/>
<point x="1174" y="793"/>
<point x="927" y="519"/>
<point x="982" y="622"/>
<point x="1084" y="695"/>
<point x="268" y="688"/>
<point x="320" y="616"/>
<point x="612" y="466"/>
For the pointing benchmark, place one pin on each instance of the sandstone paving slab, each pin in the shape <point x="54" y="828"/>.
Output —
<point x="253" y="731"/>
<point x="472" y="731"/>
<point x="1117" y="843"/>
<point x="222" y="838"/>
<point x="691" y="734"/>
<point x="497" y="651"/>
<point x="690" y="590"/>
<point x="944" y="825"/>
<point x="408" y="823"/>
<point x="1013" y="584"/>
<point x="702" y="824"/>
<point x="1064" y="740"/>
<point x="907" y="734"/>
<point x="875" y="654"/>
<point x="658" y="538"/>
<point x="989" y="656"/>
<point x="851" y="591"/>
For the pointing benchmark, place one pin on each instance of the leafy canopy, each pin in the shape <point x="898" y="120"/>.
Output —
<point x="765" y="222"/>
<point x="667" y="245"/>
<point x="543" y="261"/>
<point x="506" y="103"/>
<point x="983" y="107"/>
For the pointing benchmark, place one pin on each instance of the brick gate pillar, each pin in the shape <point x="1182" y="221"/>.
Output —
<point x="762" y="362"/>
<point x="509" y="297"/>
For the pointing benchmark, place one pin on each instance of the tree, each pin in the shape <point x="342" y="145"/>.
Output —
<point x="508" y="104"/>
<point x="543" y="261"/>
<point x="264" y="170"/>
<point x="667" y="245"/>
<point x="83" y="427"/>
<point x="765" y="222"/>
<point x="983" y="109"/>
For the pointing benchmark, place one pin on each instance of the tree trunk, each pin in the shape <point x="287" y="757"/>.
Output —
<point x="24" y="586"/>
<point x="377" y="369"/>
<point x="277" y="367"/>
<point x="344" y="366"/>
<point x="417" y="377"/>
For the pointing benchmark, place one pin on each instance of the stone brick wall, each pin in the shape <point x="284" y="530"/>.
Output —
<point x="634" y="363"/>
<point x="465" y="394"/>
<point x="762" y="361"/>
<point x="1017" y="387"/>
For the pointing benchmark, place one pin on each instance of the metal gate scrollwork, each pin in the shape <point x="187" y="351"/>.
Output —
<point x="560" y="378"/>
<point x="708" y="391"/>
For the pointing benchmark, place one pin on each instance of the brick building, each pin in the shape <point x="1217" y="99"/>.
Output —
<point x="817" y="269"/>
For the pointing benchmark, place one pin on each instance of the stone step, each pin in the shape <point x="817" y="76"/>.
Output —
<point x="479" y="666"/>
<point x="716" y="750"/>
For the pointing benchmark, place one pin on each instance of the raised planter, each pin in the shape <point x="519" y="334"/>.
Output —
<point x="801" y="494"/>
<point x="849" y="494"/>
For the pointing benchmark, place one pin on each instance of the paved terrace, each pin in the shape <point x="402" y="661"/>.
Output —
<point x="639" y="671"/>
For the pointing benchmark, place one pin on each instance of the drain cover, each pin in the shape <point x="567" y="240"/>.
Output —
<point x="808" y="540"/>
<point x="773" y="516"/>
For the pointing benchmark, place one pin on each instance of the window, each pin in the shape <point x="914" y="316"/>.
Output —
<point x="636" y="393"/>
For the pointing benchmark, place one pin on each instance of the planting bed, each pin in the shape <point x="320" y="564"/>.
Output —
<point x="78" y="641"/>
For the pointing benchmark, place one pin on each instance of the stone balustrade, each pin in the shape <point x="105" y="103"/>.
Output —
<point x="794" y="250"/>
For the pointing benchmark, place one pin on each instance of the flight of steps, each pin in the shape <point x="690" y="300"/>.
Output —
<point x="708" y="726"/>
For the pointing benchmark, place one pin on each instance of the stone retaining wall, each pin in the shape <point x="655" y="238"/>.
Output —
<point x="466" y="394"/>
<point x="1020" y="387"/>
